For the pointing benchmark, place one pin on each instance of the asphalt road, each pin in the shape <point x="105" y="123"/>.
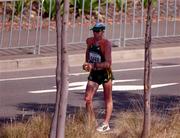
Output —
<point x="26" y="92"/>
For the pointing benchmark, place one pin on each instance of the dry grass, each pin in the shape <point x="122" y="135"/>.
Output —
<point x="36" y="127"/>
<point x="126" y="125"/>
<point x="78" y="127"/>
<point x="166" y="126"/>
<point x="129" y="125"/>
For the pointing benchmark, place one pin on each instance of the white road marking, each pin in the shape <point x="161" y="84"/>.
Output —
<point x="85" y="82"/>
<point x="139" y="87"/>
<point x="28" y="78"/>
<point x="84" y="73"/>
<point x="79" y="86"/>
<point x="142" y="68"/>
<point x="82" y="86"/>
<point x="130" y="69"/>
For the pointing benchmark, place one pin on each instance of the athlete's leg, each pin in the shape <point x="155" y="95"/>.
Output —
<point x="108" y="100"/>
<point x="91" y="88"/>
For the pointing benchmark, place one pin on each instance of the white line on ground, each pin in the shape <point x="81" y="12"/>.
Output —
<point x="28" y="78"/>
<point x="79" y="86"/>
<point x="84" y="73"/>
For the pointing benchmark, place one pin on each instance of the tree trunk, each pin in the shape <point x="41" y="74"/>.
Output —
<point x="147" y="74"/>
<point x="58" y="123"/>
<point x="58" y="69"/>
<point x="178" y="8"/>
<point x="60" y="133"/>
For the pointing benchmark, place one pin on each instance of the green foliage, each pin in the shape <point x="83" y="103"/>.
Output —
<point x="87" y="5"/>
<point x="154" y="3"/>
<point x="119" y="4"/>
<point x="18" y="6"/>
<point x="46" y="7"/>
<point x="52" y="12"/>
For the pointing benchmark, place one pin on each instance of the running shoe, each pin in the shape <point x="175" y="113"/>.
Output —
<point x="103" y="127"/>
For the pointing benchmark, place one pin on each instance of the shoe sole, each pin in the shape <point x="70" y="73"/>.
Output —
<point x="104" y="130"/>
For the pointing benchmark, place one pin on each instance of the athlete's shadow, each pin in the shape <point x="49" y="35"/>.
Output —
<point x="122" y="101"/>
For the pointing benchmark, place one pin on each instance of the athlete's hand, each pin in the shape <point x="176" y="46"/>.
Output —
<point x="87" y="67"/>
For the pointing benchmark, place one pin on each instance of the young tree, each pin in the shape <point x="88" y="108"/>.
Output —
<point x="60" y="133"/>
<point x="147" y="74"/>
<point x="58" y="123"/>
<point x="58" y="69"/>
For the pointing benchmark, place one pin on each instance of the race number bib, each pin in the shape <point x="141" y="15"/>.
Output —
<point x="94" y="57"/>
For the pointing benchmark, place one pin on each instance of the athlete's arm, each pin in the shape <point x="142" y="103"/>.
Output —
<point x="85" y="66"/>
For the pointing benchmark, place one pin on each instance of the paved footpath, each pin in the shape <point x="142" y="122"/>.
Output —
<point x="23" y="59"/>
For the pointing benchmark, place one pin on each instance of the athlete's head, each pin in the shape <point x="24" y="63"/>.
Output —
<point x="98" y="29"/>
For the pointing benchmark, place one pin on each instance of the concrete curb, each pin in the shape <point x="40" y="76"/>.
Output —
<point x="138" y="55"/>
<point x="18" y="64"/>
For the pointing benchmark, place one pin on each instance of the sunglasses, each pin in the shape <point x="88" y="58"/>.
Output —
<point x="97" y="31"/>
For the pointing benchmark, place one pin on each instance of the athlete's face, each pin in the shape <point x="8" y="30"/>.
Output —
<point x="98" y="34"/>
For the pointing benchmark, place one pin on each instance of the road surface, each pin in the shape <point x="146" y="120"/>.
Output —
<point x="26" y="92"/>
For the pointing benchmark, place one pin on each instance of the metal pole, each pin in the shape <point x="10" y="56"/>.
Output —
<point x="3" y="21"/>
<point x="114" y="15"/>
<point x="142" y="18"/>
<point x="99" y="6"/>
<point x="41" y="22"/>
<point x="10" y="37"/>
<point x="106" y="18"/>
<point x="29" y="21"/>
<point x="121" y="24"/>
<point x="37" y="30"/>
<point x="82" y="21"/>
<point x="167" y="13"/>
<point x="90" y="17"/>
<point x="134" y="14"/>
<point x="20" y="24"/>
<point x="157" y="34"/>
<point x="124" y="43"/>
<point x="49" y="22"/>
<point x="74" y="19"/>
<point x="175" y="14"/>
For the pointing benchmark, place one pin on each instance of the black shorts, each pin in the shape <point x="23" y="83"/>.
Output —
<point x="101" y="76"/>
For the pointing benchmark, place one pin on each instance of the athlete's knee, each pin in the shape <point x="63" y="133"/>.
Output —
<point x="88" y="95"/>
<point x="88" y="99"/>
